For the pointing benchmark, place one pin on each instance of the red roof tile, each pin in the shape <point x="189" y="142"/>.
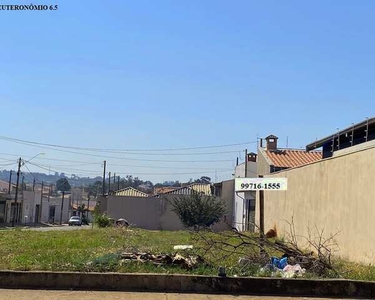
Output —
<point x="292" y="158"/>
<point x="164" y="189"/>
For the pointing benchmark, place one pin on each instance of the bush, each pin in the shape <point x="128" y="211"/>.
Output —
<point x="198" y="210"/>
<point x="102" y="221"/>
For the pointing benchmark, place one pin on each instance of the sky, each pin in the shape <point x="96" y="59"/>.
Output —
<point x="151" y="75"/>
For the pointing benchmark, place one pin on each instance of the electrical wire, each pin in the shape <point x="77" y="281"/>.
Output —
<point x="112" y="164"/>
<point x="43" y="168"/>
<point x="52" y="159"/>
<point x="133" y="173"/>
<point x="127" y="158"/>
<point x="123" y="150"/>
<point x="32" y="174"/>
<point x="9" y="164"/>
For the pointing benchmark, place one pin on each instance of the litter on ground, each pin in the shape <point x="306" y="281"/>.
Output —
<point x="182" y="247"/>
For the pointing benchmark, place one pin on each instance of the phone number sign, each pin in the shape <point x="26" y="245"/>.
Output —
<point x="260" y="184"/>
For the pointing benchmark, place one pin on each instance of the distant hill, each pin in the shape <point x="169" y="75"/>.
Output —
<point x="75" y="181"/>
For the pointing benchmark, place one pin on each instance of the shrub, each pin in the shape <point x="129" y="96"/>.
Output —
<point x="102" y="221"/>
<point x="198" y="210"/>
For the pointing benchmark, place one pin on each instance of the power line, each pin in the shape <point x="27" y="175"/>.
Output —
<point x="174" y="154"/>
<point x="84" y="170"/>
<point x="32" y="174"/>
<point x="52" y="159"/>
<point x="5" y="159"/>
<point x="125" y="158"/>
<point x="9" y="164"/>
<point x="133" y="173"/>
<point x="162" y="167"/>
<point x="43" y="168"/>
<point x="123" y="150"/>
<point x="114" y="164"/>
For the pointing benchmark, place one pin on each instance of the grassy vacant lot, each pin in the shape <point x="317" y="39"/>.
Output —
<point x="98" y="250"/>
<point x="74" y="250"/>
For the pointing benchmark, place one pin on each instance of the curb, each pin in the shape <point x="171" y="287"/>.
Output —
<point x="186" y="284"/>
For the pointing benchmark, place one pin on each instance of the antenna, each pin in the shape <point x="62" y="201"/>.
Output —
<point x="287" y="141"/>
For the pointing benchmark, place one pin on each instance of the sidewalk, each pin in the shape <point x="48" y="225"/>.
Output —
<point x="88" y="295"/>
<point x="8" y="226"/>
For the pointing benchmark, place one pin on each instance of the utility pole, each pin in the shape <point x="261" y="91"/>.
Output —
<point x="88" y="206"/>
<point x="118" y="182"/>
<point x="62" y="206"/>
<point x="246" y="163"/>
<point x="16" y="196"/>
<point x="82" y="190"/>
<point x="49" y="191"/>
<point x="104" y="178"/>
<point x="114" y="181"/>
<point x="49" y="195"/>
<point x="41" y="204"/>
<point x="261" y="219"/>
<point x="109" y="182"/>
<point x="10" y="181"/>
<point x="23" y="179"/>
<point x="34" y="185"/>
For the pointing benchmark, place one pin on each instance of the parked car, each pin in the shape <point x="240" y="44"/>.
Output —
<point x="75" y="221"/>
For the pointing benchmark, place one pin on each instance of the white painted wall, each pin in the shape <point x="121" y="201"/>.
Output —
<point x="56" y="201"/>
<point x="31" y="199"/>
<point x="239" y="207"/>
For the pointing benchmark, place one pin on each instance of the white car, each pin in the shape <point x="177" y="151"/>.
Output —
<point x="75" y="221"/>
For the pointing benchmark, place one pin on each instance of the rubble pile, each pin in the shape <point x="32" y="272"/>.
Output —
<point x="188" y="262"/>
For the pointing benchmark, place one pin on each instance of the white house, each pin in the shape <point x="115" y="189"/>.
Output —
<point x="244" y="202"/>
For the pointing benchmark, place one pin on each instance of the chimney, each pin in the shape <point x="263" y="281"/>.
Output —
<point x="252" y="157"/>
<point x="271" y="142"/>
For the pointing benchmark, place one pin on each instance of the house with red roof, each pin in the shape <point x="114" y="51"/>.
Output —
<point x="273" y="159"/>
<point x="269" y="159"/>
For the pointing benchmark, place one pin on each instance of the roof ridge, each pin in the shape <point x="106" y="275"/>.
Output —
<point x="128" y="188"/>
<point x="289" y="158"/>
<point x="295" y="149"/>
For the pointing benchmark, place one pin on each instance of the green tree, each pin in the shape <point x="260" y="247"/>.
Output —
<point x="198" y="210"/>
<point x="63" y="185"/>
<point x="95" y="188"/>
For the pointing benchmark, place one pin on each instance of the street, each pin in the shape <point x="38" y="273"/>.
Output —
<point x="59" y="228"/>
<point x="89" y="295"/>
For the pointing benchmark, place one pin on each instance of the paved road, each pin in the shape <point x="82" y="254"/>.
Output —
<point x="85" y="295"/>
<point x="48" y="228"/>
<point x="57" y="228"/>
